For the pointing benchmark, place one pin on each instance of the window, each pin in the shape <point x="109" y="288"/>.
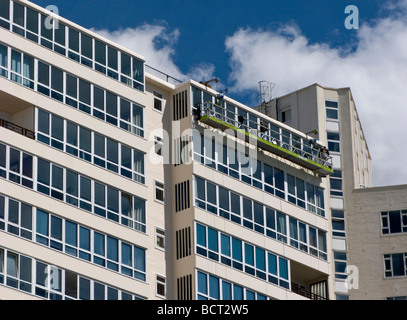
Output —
<point x="161" y="286"/>
<point x="52" y="283"/>
<point x="242" y="256"/>
<point x="80" y="47"/>
<point x="395" y="265"/>
<point x="160" y="238"/>
<point x="5" y="9"/>
<point x="260" y="218"/>
<point x="394" y="221"/>
<point x="338" y="223"/>
<point x="159" y="191"/>
<point x="93" y="147"/>
<point x="334" y="144"/>
<point x="332" y="110"/>
<point x="340" y="263"/>
<point x="12" y="269"/>
<point x="3" y="60"/>
<point x="158" y="102"/>
<point x="335" y="180"/>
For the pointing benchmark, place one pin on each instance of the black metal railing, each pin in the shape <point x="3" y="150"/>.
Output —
<point x="278" y="136"/>
<point x="16" y="128"/>
<point x="162" y="75"/>
<point x="305" y="293"/>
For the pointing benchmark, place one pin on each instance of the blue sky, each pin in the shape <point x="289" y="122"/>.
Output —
<point x="203" y="26"/>
<point x="291" y="43"/>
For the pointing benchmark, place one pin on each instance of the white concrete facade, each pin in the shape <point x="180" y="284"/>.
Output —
<point x="99" y="213"/>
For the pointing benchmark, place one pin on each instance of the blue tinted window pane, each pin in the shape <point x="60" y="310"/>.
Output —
<point x="42" y="222"/>
<point x="213" y="287"/>
<point x="85" y="188"/>
<point x="213" y="239"/>
<point x="99" y="243"/>
<point x="27" y="165"/>
<point x="249" y="254"/>
<point x="84" y="289"/>
<point x="56" y="228"/>
<point x="43" y="73"/>
<point x="226" y="290"/>
<point x="201" y="235"/>
<point x="57" y="82"/>
<point x="100" y="194"/>
<point x="332" y="114"/>
<point x="112" y="151"/>
<point x="279" y="179"/>
<point x="112" y="249"/>
<point x="236" y="249"/>
<point x="126" y="254"/>
<point x="139" y="258"/>
<point x="43" y="171"/>
<point x="237" y="292"/>
<point x="113" y="199"/>
<point x="43" y="121"/>
<point x="71" y="86"/>
<point x="272" y="263"/>
<point x="200" y="188"/>
<point x="70" y="233"/>
<point x="98" y="291"/>
<point x="112" y="58"/>
<point x="111" y="104"/>
<point x="270" y="219"/>
<point x="235" y="203"/>
<point x="85" y="139"/>
<point x="125" y="64"/>
<point x="225" y="244"/>
<point x="202" y="283"/>
<point x="57" y="177"/>
<point x="224" y="198"/>
<point x="5" y="9"/>
<point x="211" y="192"/>
<point x="250" y="295"/>
<point x="126" y="157"/>
<point x="268" y="174"/>
<point x="247" y="209"/>
<point x="14" y="160"/>
<point x="283" y="268"/>
<point x="72" y="183"/>
<point x="86" y="46"/>
<point x="281" y="223"/>
<point x="84" y="238"/>
<point x="84" y="91"/>
<point x="260" y="259"/>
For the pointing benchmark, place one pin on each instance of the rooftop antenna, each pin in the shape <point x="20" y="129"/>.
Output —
<point x="265" y="89"/>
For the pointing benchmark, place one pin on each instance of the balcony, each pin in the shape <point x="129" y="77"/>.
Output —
<point x="16" y="115"/>
<point x="13" y="127"/>
<point x="308" y="282"/>
<point x="298" y="148"/>
<point x="305" y="293"/>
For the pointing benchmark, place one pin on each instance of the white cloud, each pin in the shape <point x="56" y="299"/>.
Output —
<point x="376" y="72"/>
<point x="156" y="44"/>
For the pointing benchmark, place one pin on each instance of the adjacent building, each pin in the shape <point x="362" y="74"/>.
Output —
<point x="364" y="249"/>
